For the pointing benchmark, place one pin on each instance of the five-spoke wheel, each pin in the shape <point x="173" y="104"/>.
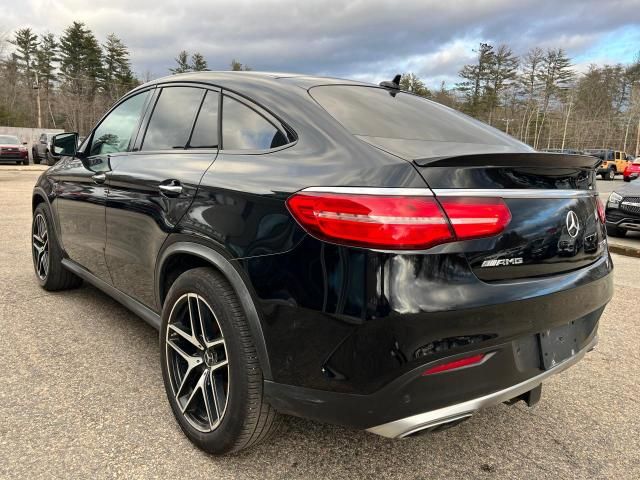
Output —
<point x="40" y="246"/>
<point x="197" y="362"/>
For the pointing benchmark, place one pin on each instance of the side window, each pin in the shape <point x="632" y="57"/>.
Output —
<point x="245" y="129"/>
<point x="617" y="155"/>
<point x="172" y="118"/>
<point x="205" y="132"/>
<point x="115" y="131"/>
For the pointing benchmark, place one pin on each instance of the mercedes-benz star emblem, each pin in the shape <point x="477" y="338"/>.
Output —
<point x="573" y="225"/>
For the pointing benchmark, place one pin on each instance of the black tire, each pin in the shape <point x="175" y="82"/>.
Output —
<point x="50" y="273"/>
<point x="243" y="418"/>
<point x="36" y="158"/>
<point x="626" y="179"/>
<point x="614" y="231"/>
<point x="611" y="174"/>
<point x="25" y="162"/>
<point x="50" y="160"/>
<point x="18" y="162"/>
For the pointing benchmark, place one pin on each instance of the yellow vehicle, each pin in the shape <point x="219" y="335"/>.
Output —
<point x="614" y="162"/>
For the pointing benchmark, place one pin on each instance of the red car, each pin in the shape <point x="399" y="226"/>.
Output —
<point x="632" y="171"/>
<point x="12" y="150"/>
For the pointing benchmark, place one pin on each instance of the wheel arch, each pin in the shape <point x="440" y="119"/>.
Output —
<point x="37" y="198"/>
<point x="188" y="255"/>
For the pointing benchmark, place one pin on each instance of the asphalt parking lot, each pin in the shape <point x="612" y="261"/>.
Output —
<point x="81" y="396"/>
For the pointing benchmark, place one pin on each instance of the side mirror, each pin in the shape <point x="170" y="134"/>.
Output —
<point x="64" y="144"/>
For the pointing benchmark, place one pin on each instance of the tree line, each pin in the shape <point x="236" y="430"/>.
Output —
<point x="70" y="80"/>
<point x="542" y="100"/>
<point x="62" y="82"/>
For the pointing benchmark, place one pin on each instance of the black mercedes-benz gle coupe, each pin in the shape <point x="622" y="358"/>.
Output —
<point x="325" y="248"/>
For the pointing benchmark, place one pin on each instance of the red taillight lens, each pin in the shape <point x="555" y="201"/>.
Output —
<point x="377" y="221"/>
<point x="476" y="217"/>
<point x="463" y="362"/>
<point x="396" y="222"/>
<point x="601" y="212"/>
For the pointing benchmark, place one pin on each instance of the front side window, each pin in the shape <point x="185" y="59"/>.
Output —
<point x="172" y="118"/>
<point x="245" y="129"/>
<point x="114" y="133"/>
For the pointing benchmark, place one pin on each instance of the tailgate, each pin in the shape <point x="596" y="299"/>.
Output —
<point x="555" y="222"/>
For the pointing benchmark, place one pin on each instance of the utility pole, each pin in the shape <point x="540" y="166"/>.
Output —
<point x="638" y="139"/>
<point x="566" y="122"/>
<point x="37" y="87"/>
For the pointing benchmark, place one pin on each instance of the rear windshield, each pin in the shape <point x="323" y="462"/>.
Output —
<point x="8" y="139"/>
<point x="378" y="112"/>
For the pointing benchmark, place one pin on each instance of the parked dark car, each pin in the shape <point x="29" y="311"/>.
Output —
<point x="41" y="150"/>
<point x="623" y="210"/>
<point x="13" y="150"/>
<point x="329" y="249"/>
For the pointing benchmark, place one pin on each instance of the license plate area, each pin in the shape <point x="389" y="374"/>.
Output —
<point x="557" y="344"/>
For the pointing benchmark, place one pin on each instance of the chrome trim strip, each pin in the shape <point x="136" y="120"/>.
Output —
<point x="406" y="426"/>
<point x="513" y="193"/>
<point x="395" y="192"/>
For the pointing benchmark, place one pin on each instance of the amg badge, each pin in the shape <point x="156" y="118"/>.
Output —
<point x="502" y="262"/>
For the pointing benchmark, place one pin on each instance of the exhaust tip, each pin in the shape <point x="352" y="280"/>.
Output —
<point x="438" y="426"/>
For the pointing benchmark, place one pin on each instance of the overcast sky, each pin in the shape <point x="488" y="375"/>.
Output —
<point x="370" y="40"/>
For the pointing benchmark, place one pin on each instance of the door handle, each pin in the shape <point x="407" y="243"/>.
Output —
<point x="172" y="189"/>
<point x="99" y="178"/>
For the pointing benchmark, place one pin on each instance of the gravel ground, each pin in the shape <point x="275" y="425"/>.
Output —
<point x="81" y="396"/>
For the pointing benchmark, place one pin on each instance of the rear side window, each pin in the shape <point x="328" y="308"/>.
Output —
<point x="172" y="118"/>
<point x="377" y="112"/>
<point x="205" y="132"/>
<point x="245" y="129"/>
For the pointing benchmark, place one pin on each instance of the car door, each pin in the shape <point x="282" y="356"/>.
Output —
<point x="151" y="188"/>
<point x="41" y="146"/>
<point x="81" y="185"/>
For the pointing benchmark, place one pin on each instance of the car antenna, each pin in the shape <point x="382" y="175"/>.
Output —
<point x="393" y="84"/>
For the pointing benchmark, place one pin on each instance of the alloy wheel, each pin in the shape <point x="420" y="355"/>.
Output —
<point x="197" y="362"/>
<point x="40" y="243"/>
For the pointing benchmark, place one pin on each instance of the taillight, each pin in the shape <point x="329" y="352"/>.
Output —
<point x="601" y="212"/>
<point x="397" y="221"/>
<point x="476" y="217"/>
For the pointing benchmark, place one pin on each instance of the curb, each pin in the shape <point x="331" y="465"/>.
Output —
<point x="23" y="168"/>
<point x="624" y="250"/>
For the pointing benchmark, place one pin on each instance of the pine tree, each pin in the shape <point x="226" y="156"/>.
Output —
<point x="183" y="63"/>
<point x="198" y="63"/>
<point x="26" y="43"/>
<point x="117" y="77"/>
<point x="475" y="78"/>
<point x="46" y="58"/>
<point x="410" y="82"/>
<point x="502" y="71"/>
<point x="80" y="73"/>
<point x="80" y="59"/>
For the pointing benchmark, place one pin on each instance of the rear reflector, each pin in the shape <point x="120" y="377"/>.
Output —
<point x="463" y="362"/>
<point x="396" y="222"/>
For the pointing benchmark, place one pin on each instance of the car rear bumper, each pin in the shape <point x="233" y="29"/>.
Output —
<point x="409" y="425"/>
<point x="415" y="401"/>
<point x="620" y="219"/>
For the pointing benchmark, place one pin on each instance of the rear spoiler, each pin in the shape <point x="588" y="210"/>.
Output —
<point x="532" y="159"/>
